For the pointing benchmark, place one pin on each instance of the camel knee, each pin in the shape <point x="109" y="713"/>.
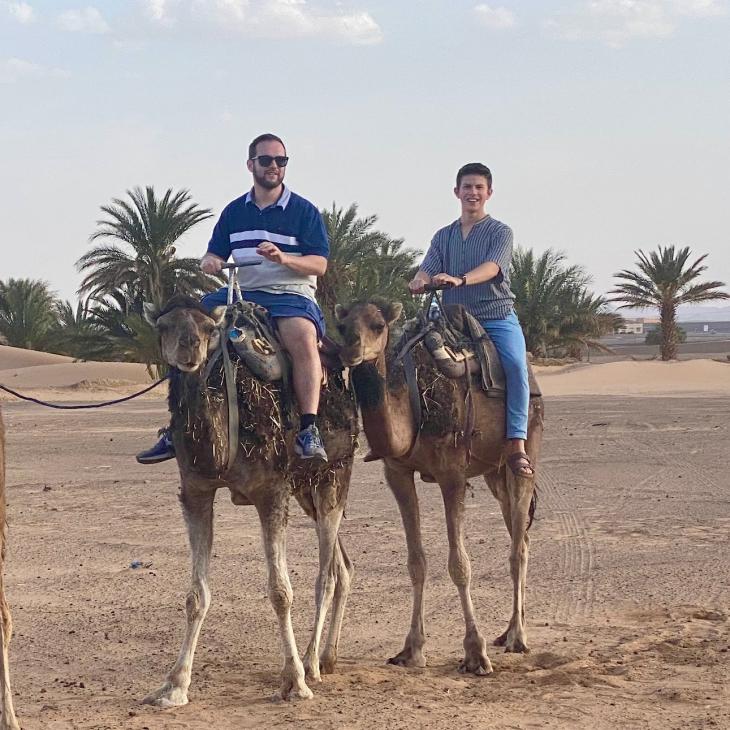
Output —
<point x="281" y="597"/>
<point x="197" y="602"/>
<point x="459" y="567"/>
<point x="417" y="567"/>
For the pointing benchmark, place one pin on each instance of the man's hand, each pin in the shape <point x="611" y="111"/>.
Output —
<point x="441" y="279"/>
<point x="271" y="252"/>
<point x="415" y="286"/>
<point x="211" y="264"/>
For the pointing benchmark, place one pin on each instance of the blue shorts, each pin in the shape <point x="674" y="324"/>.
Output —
<point x="277" y="305"/>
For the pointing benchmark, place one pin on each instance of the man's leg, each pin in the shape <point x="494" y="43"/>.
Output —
<point x="510" y="343"/>
<point x="299" y="337"/>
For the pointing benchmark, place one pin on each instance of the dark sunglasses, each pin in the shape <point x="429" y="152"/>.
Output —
<point x="266" y="160"/>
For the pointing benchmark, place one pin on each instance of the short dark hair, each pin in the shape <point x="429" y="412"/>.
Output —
<point x="474" y="168"/>
<point x="268" y="137"/>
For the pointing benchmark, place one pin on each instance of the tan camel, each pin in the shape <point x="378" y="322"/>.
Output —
<point x="7" y="714"/>
<point x="442" y="450"/>
<point x="264" y="475"/>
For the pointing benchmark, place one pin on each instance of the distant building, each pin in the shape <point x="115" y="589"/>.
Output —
<point x="637" y="326"/>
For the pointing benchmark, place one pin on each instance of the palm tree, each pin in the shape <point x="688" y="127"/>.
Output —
<point x="544" y="288"/>
<point x="77" y="333"/>
<point x="586" y="319"/>
<point x="362" y="261"/>
<point x="555" y="308"/>
<point x="665" y="280"/>
<point x="149" y="227"/>
<point x="27" y="313"/>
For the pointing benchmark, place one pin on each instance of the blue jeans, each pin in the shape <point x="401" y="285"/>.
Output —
<point x="510" y="343"/>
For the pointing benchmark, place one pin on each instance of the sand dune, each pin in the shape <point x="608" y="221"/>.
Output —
<point x="39" y="370"/>
<point x="636" y="378"/>
<point x="17" y="357"/>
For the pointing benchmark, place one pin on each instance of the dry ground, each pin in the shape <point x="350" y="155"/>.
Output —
<point x="627" y="592"/>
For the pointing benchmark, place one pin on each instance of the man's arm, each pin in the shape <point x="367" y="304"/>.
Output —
<point x="308" y="265"/>
<point x="211" y="264"/>
<point x="484" y="272"/>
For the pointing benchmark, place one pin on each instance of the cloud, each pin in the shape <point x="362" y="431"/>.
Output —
<point x="20" y="11"/>
<point x="497" y="18"/>
<point x="13" y="70"/>
<point x="268" y="19"/>
<point x="617" y="21"/>
<point x="87" y="20"/>
<point x="158" y="11"/>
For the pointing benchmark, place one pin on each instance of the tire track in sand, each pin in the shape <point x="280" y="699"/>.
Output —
<point x="577" y="554"/>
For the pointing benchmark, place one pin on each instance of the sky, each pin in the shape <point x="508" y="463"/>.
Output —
<point x="606" y="123"/>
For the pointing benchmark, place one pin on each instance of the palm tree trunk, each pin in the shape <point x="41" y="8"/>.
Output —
<point x="669" y="331"/>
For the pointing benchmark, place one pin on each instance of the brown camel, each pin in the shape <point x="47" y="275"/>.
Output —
<point x="7" y="714"/>
<point x="264" y="475"/>
<point x="448" y="450"/>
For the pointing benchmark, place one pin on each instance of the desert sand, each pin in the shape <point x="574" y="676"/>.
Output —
<point x="627" y="602"/>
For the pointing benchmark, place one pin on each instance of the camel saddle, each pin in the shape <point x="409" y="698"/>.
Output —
<point x="458" y="344"/>
<point x="250" y="331"/>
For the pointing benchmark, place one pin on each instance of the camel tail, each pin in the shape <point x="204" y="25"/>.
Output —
<point x="533" y="507"/>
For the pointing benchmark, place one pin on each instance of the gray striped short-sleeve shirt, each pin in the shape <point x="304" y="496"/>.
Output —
<point x="449" y="253"/>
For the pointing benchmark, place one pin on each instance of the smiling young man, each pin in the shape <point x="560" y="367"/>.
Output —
<point x="473" y="254"/>
<point x="286" y="233"/>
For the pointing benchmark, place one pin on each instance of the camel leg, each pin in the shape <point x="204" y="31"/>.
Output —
<point x="475" y="659"/>
<point x="273" y="513"/>
<point x="400" y="481"/>
<point x="345" y="572"/>
<point x="328" y="523"/>
<point x="515" y="495"/>
<point x="7" y="713"/>
<point x="198" y="513"/>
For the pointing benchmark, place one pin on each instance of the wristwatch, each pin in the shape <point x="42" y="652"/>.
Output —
<point x="463" y="280"/>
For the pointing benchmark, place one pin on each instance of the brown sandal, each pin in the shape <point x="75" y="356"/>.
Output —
<point x="519" y="462"/>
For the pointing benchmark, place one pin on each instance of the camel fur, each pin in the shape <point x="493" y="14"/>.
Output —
<point x="449" y="447"/>
<point x="266" y="472"/>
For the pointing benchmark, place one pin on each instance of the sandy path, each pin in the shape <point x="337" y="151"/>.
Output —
<point x="627" y="592"/>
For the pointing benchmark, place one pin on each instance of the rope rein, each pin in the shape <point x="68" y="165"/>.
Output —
<point x="85" y="405"/>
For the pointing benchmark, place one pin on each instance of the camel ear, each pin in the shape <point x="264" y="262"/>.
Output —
<point x="340" y="311"/>
<point x="150" y="313"/>
<point x="392" y="311"/>
<point x="217" y="314"/>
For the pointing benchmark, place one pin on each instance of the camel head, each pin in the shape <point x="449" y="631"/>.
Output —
<point x="187" y="332"/>
<point x="364" y="327"/>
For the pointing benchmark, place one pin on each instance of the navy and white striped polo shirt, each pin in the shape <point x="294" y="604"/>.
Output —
<point x="449" y="253"/>
<point x="292" y="223"/>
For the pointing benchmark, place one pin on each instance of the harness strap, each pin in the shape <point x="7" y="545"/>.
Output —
<point x="409" y="370"/>
<point x="229" y="375"/>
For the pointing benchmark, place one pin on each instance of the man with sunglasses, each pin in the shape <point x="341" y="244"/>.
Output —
<point x="286" y="233"/>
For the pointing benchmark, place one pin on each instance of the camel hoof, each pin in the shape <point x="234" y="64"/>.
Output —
<point x="501" y="640"/>
<point x="480" y="666"/>
<point x="517" y="646"/>
<point x="328" y="662"/>
<point x="166" y="697"/>
<point x="293" y="694"/>
<point x="406" y="659"/>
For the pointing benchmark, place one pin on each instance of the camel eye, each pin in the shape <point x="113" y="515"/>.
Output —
<point x="377" y="328"/>
<point x="208" y="328"/>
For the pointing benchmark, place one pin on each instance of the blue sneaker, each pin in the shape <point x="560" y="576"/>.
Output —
<point x="161" y="451"/>
<point x="308" y="444"/>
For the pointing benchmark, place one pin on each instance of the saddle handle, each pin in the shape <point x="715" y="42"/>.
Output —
<point x="430" y="288"/>
<point x="233" y="279"/>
